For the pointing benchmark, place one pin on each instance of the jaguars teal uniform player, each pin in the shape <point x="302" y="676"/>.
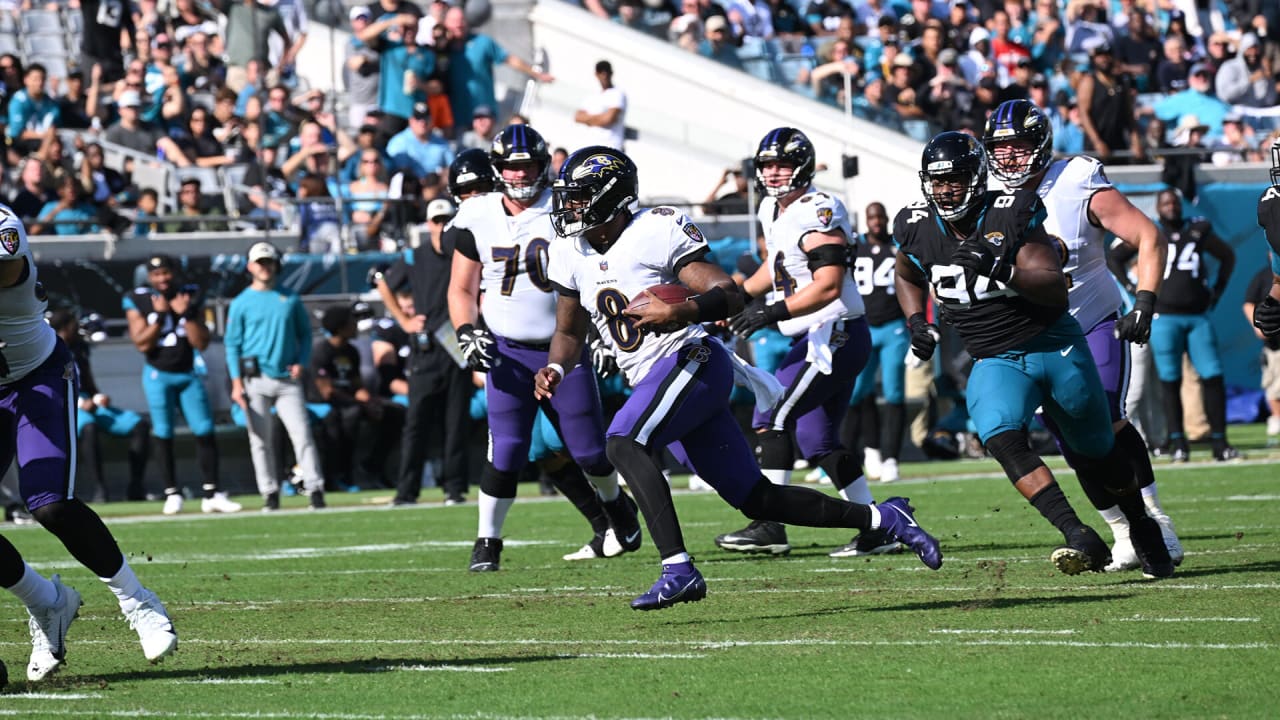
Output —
<point x="873" y="270"/>
<point x="998" y="279"/>
<point x="1181" y="324"/>
<point x="167" y="327"/>
<point x="1266" y="314"/>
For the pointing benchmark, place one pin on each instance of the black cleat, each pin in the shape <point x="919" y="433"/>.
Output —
<point x="761" y="536"/>
<point x="1227" y="454"/>
<point x="486" y="555"/>
<point x="869" y="542"/>
<point x="1149" y="545"/>
<point x="317" y="500"/>
<point x="1084" y="551"/>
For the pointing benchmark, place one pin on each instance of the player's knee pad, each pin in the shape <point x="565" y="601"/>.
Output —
<point x="839" y="465"/>
<point x="774" y="449"/>
<point x="1012" y="450"/>
<point x="498" y="483"/>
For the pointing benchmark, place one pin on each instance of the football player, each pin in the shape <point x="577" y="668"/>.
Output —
<point x="997" y="277"/>
<point x="1266" y="314"/>
<point x="1083" y="207"/>
<point x="1181" y="322"/>
<point x="809" y="293"/>
<point x="681" y="377"/>
<point x="38" y="391"/>
<point x="502" y="244"/>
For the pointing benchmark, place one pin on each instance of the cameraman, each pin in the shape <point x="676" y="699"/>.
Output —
<point x="166" y="325"/>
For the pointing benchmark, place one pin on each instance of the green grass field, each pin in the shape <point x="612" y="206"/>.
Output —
<point x="366" y="612"/>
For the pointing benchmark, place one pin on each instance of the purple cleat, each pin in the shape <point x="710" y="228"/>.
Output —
<point x="680" y="583"/>
<point x="896" y="518"/>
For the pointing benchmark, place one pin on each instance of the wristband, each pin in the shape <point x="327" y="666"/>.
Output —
<point x="1144" y="300"/>
<point x="557" y="367"/>
<point x="712" y="305"/>
<point x="777" y="312"/>
<point x="916" y="320"/>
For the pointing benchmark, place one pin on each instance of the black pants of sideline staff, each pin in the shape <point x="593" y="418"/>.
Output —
<point x="438" y="414"/>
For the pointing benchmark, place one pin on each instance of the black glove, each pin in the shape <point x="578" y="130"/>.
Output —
<point x="477" y="347"/>
<point x="756" y="316"/>
<point x="976" y="256"/>
<point x="602" y="357"/>
<point x="924" y="336"/>
<point x="1266" y="317"/>
<point x="1136" y="326"/>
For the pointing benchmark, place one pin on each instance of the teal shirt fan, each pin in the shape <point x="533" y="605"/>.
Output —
<point x="271" y="325"/>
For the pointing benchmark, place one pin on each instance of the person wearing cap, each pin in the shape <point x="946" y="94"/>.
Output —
<point x="416" y="149"/>
<point x="361" y="67"/>
<point x="483" y="128"/>
<point x="268" y="346"/>
<point x="403" y="68"/>
<point x="166" y="324"/>
<point x="1198" y="100"/>
<point x="131" y="132"/>
<point x="977" y="63"/>
<point x="1246" y="79"/>
<point x="604" y="113"/>
<point x="472" y="56"/>
<point x="719" y="43"/>
<point x="1106" y="106"/>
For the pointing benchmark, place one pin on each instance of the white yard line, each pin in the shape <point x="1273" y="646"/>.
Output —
<point x="1142" y="618"/>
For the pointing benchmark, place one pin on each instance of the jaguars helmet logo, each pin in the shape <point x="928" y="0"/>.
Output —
<point x="596" y="165"/>
<point x="995" y="238"/>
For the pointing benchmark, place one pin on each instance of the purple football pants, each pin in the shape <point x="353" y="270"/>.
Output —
<point x="38" y="425"/>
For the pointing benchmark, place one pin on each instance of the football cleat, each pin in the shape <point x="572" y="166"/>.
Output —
<point x="624" y="535"/>
<point x="219" y="503"/>
<point x="150" y="620"/>
<point x="598" y="547"/>
<point x="172" y="504"/>
<point x="897" y="520"/>
<point x="49" y="631"/>
<point x="1227" y="454"/>
<point x="317" y="500"/>
<point x="1084" y="551"/>
<point x="889" y="471"/>
<point x="679" y="583"/>
<point x="1179" y="453"/>
<point x="1170" y="537"/>
<point x="271" y="502"/>
<point x="486" y="555"/>
<point x="868" y="542"/>
<point x="1123" y="556"/>
<point x="1148" y="544"/>
<point x="760" y="536"/>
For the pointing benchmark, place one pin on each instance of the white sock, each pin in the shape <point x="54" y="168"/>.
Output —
<point x="776" y="476"/>
<point x="493" y="515"/>
<point x="1116" y="519"/>
<point x="606" y="486"/>
<point x="126" y="587"/>
<point x="875" y="517"/>
<point x="1151" y="498"/>
<point x="34" y="589"/>
<point x="858" y="491"/>
<point x="677" y="558"/>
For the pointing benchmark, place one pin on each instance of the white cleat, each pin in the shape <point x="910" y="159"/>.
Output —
<point x="1170" y="537"/>
<point x="219" y="503"/>
<point x="49" y="631"/>
<point x="153" y="626"/>
<point x="871" y="463"/>
<point x="889" y="471"/>
<point x="1123" y="556"/>
<point x="173" y="504"/>
<point x="817" y="475"/>
<point x="697" y="484"/>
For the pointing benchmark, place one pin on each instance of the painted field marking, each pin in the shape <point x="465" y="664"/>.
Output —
<point x="998" y="631"/>
<point x="441" y="668"/>
<point x="1141" y="618"/>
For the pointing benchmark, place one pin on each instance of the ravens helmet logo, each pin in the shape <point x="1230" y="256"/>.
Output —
<point x="597" y="164"/>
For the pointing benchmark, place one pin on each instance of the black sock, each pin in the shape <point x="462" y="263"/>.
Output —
<point x="895" y="422"/>
<point x="870" y="423"/>
<point x="1215" y="410"/>
<point x="1053" y="505"/>
<point x="207" y="455"/>
<point x="571" y="483"/>
<point x="164" y="457"/>
<point x="139" y="450"/>
<point x="1173" y="412"/>
<point x="851" y="429"/>
<point x="91" y="456"/>
<point x="1135" y="449"/>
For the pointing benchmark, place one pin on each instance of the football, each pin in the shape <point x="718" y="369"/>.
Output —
<point x="669" y="294"/>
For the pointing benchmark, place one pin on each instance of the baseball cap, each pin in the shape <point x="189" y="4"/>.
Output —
<point x="1248" y="40"/>
<point x="161" y="39"/>
<point x="1199" y="68"/>
<point x="482" y="111"/>
<point x="717" y="22"/>
<point x="439" y="207"/>
<point x="263" y="251"/>
<point x="160" y="260"/>
<point x="129" y="98"/>
<point x="948" y="56"/>
<point x="1098" y="46"/>
<point x="1039" y="80"/>
<point x="978" y="35"/>
<point x="359" y="12"/>
<point x="902" y="60"/>
<point x="421" y="111"/>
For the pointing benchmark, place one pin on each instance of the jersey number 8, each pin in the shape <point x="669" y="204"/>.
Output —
<point x="622" y="328"/>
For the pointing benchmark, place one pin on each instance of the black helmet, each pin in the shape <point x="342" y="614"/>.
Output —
<point x="1275" y="161"/>
<point x="520" y="144"/>
<point x="595" y="185"/>
<point x="790" y="146"/>
<point x="471" y="172"/>
<point x="949" y="155"/>
<point x="1018" y="120"/>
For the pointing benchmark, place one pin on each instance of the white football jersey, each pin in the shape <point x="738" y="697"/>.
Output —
<point x="519" y="303"/>
<point x="1066" y="190"/>
<point x="784" y="231"/>
<point x="647" y="253"/>
<point x="25" y="338"/>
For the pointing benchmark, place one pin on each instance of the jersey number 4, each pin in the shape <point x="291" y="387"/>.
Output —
<point x="870" y="276"/>
<point x="535" y="263"/>
<point x="1187" y="260"/>
<point x="622" y="328"/>
<point x="951" y="286"/>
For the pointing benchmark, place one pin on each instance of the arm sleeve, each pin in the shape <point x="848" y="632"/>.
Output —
<point x="231" y="341"/>
<point x="466" y="244"/>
